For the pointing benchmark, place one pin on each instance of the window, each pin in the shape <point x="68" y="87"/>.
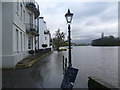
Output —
<point x="21" y="40"/>
<point x="24" y="41"/>
<point x="21" y="10"/>
<point x="17" y="6"/>
<point x="30" y="18"/>
<point x="17" y="41"/>
<point x="45" y="38"/>
<point x="24" y="15"/>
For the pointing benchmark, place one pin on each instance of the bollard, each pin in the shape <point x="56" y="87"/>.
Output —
<point x="65" y="64"/>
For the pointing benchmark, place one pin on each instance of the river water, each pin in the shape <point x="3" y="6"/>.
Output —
<point x="101" y="62"/>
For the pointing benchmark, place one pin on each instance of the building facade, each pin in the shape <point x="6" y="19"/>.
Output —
<point x="0" y="35"/>
<point x="44" y="34"/>
<point x="20" y="30"/>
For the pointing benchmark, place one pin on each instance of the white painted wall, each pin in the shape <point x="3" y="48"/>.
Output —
<point x="47" y="40"/>
<point x="42" y="40"/>
<point x="0" y="45"/>
<point x="11" y="21"/>
<point x="7" y="32"/>
<point x="0" y="34"/>
<point x="41" y="32"/>
<point x="20" y="25"/>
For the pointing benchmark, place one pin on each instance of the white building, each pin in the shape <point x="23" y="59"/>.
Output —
<point x="0" y="36"/>
<point x="19" y="29"/>
<point x="44" y="34"/>
<point x="47" y="38"/>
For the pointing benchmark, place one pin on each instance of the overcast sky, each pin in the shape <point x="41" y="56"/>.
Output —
<point x="89" y="21"/>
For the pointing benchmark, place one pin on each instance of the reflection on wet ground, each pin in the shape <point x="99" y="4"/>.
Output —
<point x="48" y="72"/>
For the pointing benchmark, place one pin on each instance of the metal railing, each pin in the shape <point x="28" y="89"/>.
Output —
<point x="32" y="28"/>
<point x="34" y="7"/>
<point x="32" y="4"/>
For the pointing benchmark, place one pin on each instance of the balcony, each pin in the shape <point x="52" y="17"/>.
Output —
<point x="32" y="29"/>
<point x="34" y="7"/>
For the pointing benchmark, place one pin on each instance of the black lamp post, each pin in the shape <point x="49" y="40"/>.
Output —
<point x="70" y="73"/>
<point x="68" y="17"/>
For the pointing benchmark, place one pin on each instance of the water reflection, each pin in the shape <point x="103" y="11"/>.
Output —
<point x="48" y="72"/>
<point x="91" y="61"/>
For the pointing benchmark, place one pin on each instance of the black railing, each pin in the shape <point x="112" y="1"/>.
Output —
<point x="34" y="7"/>
<point x="31" y="28"/>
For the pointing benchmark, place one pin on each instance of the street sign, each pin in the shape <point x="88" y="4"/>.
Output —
<point x="69" y="78"/>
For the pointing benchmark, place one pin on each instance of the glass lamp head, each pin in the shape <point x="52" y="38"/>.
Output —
<point x="69" y="16"/>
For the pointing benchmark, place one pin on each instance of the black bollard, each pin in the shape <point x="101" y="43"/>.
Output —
<point x="63" y="65"/>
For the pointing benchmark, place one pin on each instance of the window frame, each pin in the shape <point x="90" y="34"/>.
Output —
<point x="17" y="40"/>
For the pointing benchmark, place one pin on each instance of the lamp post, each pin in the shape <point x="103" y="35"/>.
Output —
<point x="69" y="17"/>
<point x="70" y="73"/>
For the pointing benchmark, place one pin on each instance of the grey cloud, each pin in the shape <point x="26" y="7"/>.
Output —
<point x="106" y="12"/>
<point x="90" y="9"/>
<point x="87" y="19"/>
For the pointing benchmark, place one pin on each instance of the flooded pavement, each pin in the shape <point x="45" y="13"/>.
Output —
<point x="101" y="62"/>
<point x="47" y="73"/>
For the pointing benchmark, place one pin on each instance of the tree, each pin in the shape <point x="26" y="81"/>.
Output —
<point x="58" y="40"/>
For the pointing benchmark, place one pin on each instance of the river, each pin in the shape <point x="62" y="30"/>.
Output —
<point x="101" y="62"/>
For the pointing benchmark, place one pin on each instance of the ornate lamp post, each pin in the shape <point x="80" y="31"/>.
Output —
<point x="69" y="17"/>
<point x="70" y="73"/>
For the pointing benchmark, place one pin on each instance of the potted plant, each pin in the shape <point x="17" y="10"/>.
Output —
<point x="31" y="52"/>
<point x="44" y="45"/>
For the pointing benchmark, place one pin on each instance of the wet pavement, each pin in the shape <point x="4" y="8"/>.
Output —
<point x="47" y="73"/>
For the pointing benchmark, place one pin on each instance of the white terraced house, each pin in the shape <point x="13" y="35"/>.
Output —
<point x="0" y="36"/>
<point x="20" y="30"/>
<point x="44" y="34"/>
